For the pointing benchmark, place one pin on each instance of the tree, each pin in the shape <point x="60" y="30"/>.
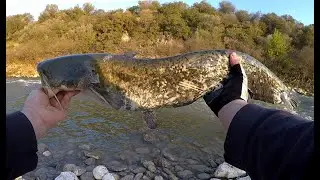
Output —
<point x="17" y="22"/>
<point x="226" y="7"/>
<point x="50" y="11"/>
<point x="88" y="8"/>
<point x="204" y="7"/>
<point x="243" y="16"/>
<point x="278" y="45"/>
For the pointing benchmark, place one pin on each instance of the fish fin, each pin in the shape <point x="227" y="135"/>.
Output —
<point x="130" y="54"/>
<point x="115" y="100"/>
<point x="150" y="119"/>
<point x="250" y="94"/>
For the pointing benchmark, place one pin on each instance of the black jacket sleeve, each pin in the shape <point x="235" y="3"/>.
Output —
<point x="21" y="145"/>
<point x="270" y="144"/>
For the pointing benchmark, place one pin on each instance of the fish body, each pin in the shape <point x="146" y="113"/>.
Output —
<point x="130" y="83"/>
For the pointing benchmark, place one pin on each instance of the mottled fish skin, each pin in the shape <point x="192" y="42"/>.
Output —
<point x="143" y="84"/>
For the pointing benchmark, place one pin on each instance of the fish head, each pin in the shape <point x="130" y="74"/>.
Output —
<point x="68" y="73"/>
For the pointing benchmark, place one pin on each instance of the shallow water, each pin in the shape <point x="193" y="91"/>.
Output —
<point x="191" y="131"/>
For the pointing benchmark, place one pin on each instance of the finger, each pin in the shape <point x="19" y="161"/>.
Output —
<point x="67" y="98"/>
<point x="234" y="59"/>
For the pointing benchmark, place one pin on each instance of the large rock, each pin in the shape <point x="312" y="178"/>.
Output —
<point x="67" y="176"/>
<point x="87" y="176"/>
<point x="108" y="176"/>
<point x="100" y="171"/>
<point x="149" y="165"/>
<point x="226" y="170"/>
<point x="185" y="174"/>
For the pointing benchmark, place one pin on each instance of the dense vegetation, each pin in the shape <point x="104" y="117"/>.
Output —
<point x="153" y="30"/>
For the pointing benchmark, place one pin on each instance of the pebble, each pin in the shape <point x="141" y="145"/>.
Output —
<point x="99" y="171"/>
<point x="19" y="178"/>
<point x="90" y="161"/>
<point x="94" y="155"/>
<point x="116" y="176"/>
<point x="169" y="156"/>
<point x="226" y="170"/>
<point x="178" y="168"/>
<point x="146" y="178"/>
<point x="70" y="152"/>
<point x="78" y="171"/>
<point x="69" y="167"/>
<point x="244" y="178"/>
<point x="162" y="162"/>
<point x="150" y="138"/>
<point x="150" y="174"/>
<point x="67" y="176"/>
<point x="185" y="174"/>
<point x="143" y="150"/>
<point x="138" y="176"/>
<point x="87" y="176"/>
<point x="158" y="178"/>
<point x="90" y="168"/>
<point x="203" y="176"/>
<point x="212" y="163"/>
<point x="127" y="177"/>
<point x="149" y="165"/>
<point x="108" y="176"/>
<point x="191" y="161"/>
<point x="85" y="147"/>
<point x="139" y="170"/>
<point x="42" y="147"/>
<point x="41" y="173"/>
<point x="219" y="160"/>
<point x="200" y="168"/>
<point x="47" y="153"/>
<point x="117" y="166"/>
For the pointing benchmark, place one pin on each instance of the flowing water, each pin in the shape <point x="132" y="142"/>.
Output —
<point x="189" y="132"/>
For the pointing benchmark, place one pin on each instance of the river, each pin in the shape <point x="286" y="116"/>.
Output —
<point x="189" y="132"/>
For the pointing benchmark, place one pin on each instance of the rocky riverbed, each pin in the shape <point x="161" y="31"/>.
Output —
<point x="85" y="162"/>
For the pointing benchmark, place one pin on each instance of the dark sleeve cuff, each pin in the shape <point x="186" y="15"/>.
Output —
<point x="21" y="144"/>
<point x="238" y="132"/>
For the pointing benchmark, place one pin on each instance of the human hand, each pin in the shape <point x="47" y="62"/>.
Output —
<point x="235" y="87"/>
<point x="45" y="113"/>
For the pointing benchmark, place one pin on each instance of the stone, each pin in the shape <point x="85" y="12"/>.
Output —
<point x="108" y="176"/>
<point x="212" y="163"/>
<point x="219" y="160"/>
<point x="203" y="176"/>
<point x="191" y="161"/>
<point x="90" y="161"/>
<point x="158" y="178"/>
<point x="138" y="176"/>
<point x="47" y="153"/>
<point x="78" y="171"/>
<point x="67" y="176"/>
<point x="94" y="155"/>
<point x="116" y="176"/>
<point x="143" y="150"/>
<point x="150" y="137"/>
<point x="70" y="152"/>
<point x="69" y="167"/>
<point x="146" y="178"/>
<point x="127" y="177"/>
<point x="117" y="166"/>
<point x="99" y="171"/>
<point x="139" y="170"/>
<point x="86" y="147"/>
<point x="169" y="156"/>
<point x="226" y="170"/>
<point x="149" y="174"/>
<point x="41" y="173"/>
<point x="162" y="162"/>
<point x="185" y="174"/>
<point x="87" y="176"/>
<point x="149" y="165"/>
<point x="90" y="168"/>
<point x="178" y="168"/>
<point x="244" y="178"/>
<point x="200" y="168"/>
<point x="42" y="147"/>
